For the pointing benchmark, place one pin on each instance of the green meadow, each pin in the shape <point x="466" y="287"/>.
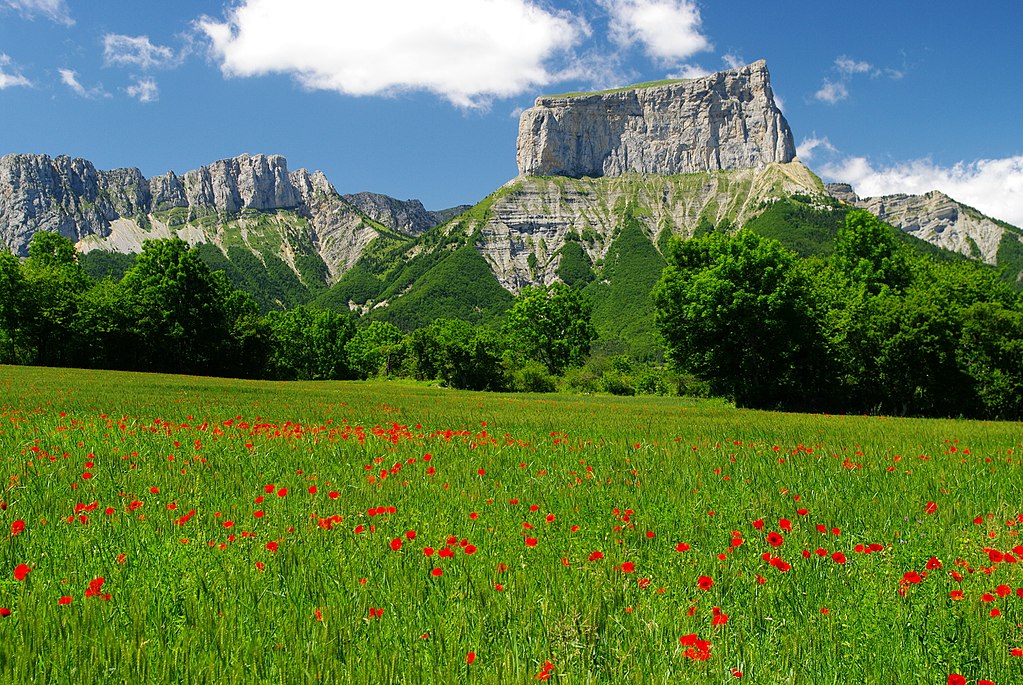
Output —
<point x="171" y="529"/>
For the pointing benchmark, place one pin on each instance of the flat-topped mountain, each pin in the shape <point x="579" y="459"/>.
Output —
<point x="728" y="120"/>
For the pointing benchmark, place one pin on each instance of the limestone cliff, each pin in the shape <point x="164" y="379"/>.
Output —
<point x="530" y="219"/>
<point x="938" y="219"/>
<point x="728" y="120"/>
<point x="246" y="200"/>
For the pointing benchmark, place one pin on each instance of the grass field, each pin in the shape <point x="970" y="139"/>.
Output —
<point x="183" y="530"/>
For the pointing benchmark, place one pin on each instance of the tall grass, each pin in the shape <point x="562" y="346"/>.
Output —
<point x="224" y="595"/>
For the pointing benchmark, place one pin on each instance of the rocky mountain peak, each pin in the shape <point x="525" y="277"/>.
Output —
<point x="728" y="120"/>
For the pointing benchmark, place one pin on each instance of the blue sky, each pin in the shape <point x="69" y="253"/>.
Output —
<point x="420" y="98"/>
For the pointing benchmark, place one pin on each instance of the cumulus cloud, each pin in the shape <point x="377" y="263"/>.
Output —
<point x="144" y="90"/>
<point x="847" y="65"/>
<point x="54" y="10"/>
<point x="832" y="92"/>
<point x="136" y="51"/>
<point x="467" y="51"/>
<point x="808" y="148"/>
<point x="733" y="61"/>
<point x="12" y="78"/>
<point x="668" y="30"/>
<point x="690" y="71"/>
<point x="69" y="77"/>
<point x="994" y="186"/>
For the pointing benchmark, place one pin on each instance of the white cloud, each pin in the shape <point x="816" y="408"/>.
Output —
<point x="13" y="78"/>
<point x="832" y="92"/>
<point x="808" y="148"/>
<point x="468" y="51"/>
<point x="136" y="51"/>
<point x="54" y="10"/>
<point x="668" y="30"/>
<point x="847" y="65"/>
<point x="690" y="71"/>
<point x="145" y="90"/>
<point x="69" y="77"/>
<point x="994" y="186"/>
<point x="733" y="61"/>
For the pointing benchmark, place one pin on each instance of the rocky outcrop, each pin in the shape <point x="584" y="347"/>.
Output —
<point x="409" y="217"/>
<point x="530" y="219"/>
<point x="728" y="120"/>
<point x="117" y="210"/>
<point x="934" y="217"/>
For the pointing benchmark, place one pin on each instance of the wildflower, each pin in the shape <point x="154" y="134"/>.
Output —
<point x="21" y="571"/>
<point x="705" y="582"/>
<point x="470" y="657"/>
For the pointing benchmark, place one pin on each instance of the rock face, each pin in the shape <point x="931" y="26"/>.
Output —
<point x="936" y="218"/>
<point x="530" y="219"/>
<point x="117" y="210"/>
<point x="727" y="120"/>
<point x="409" y="217"/>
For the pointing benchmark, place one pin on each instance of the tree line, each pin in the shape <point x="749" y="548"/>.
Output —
<point x="171" y="313"/>
<point x="875" y="328"/>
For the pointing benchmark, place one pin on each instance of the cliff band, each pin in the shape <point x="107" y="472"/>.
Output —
<point x="727" y="120"/>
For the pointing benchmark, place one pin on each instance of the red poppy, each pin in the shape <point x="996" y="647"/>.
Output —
<point x="396" y="544"/>
<point x="933" y="563"/>
<point x="95" y="586"/>
<point x="4" y="612"/>
<point x="628" y="567"/>
<point x="17" y="527"/>
<point x="785" y="524"/>
<point x="437" y="572"/>
<point x="596" y="555"/>
<point x="759" y="524"/>
<point x="930" y="508"/>
<point x="64" y="600"/>
<point x="956" y="679"/>
<point x="272" y="546"/>
<point x="20" y="571"/>
<point x="531" y="542"/>
<point x="775" y="539"/>
<point x="705" y="582"/>
<point x="470" y="657"/>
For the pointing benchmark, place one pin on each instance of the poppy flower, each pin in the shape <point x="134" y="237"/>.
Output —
<point x="596" y="555"/>
<point x="956" y="679"/>
<point x="470" y="657"/>
<point x="437" y="572"/>
<point x="628" y="567"/>
<point x="775" y="539"/>
<point x="271" y="546"/>
<point x="64" y="600"/>
<point x="705" y="582"/>
<point x="396" y="544"/>
<point x="531" y="542"/>
<point x="682" y="547"/>
<point x="20" y="571"/>
<point x="4" y="612"/>
<point x="17" y="527"/>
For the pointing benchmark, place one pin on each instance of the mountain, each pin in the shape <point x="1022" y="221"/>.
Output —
<point x="605" y="179"/>
<point x="270" y="229"/>
<point x="938" y="219"/>
<point x="728" y="120"/>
